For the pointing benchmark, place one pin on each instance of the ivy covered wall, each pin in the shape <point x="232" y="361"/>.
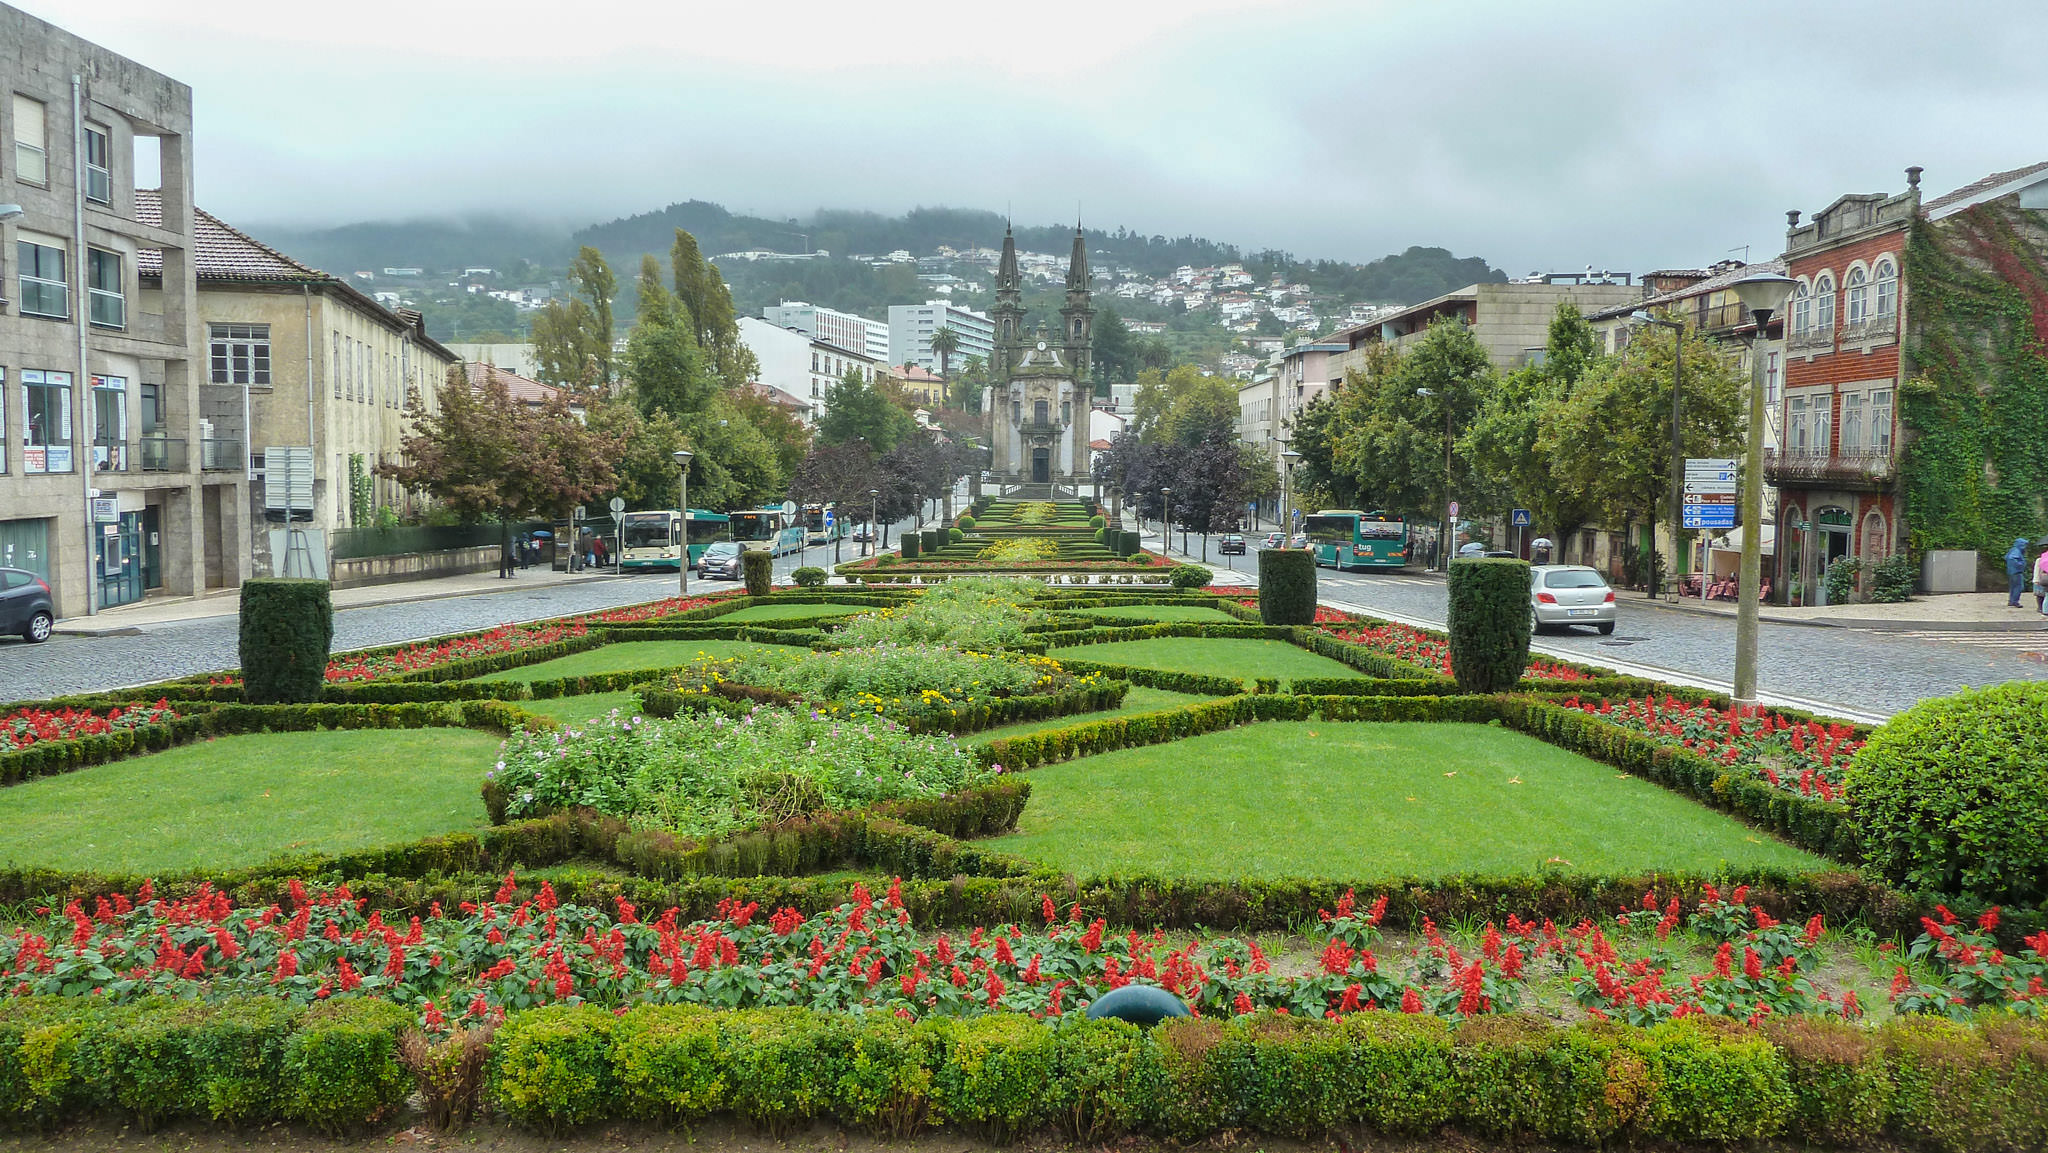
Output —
<point x="1975" y="405"/>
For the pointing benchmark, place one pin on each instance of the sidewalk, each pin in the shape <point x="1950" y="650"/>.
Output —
<point x="227" y="602"/>
<point x="1949" y="612"/>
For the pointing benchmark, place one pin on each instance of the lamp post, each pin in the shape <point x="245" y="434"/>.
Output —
<point x="1166" y="521"/>
<point x="1761" y="296"/>
<point x="682" y="458"/>
<point x="1677" y="447"/>
<point x="1450" y="533"/>
<point x="1289" y="459"/>
<point x="874" y="539"/>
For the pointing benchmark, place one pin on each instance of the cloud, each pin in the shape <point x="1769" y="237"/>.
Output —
<point x="1541" y="136"/>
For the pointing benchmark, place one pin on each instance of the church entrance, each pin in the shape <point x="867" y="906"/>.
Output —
<point x="1041" y="466"/>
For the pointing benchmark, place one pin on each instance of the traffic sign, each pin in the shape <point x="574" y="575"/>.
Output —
<point x="1696" y="487"/>
<point x="1707" y="516"/>
<point x="618" y="505"/>
<point x="789" y="508"/>
<point x="1708" y="498"/>
<point x="1454" y="510"/>
<point x="1709" y="464"/>
<point x="830" y="518"/>
<point x="1519" y="518"/>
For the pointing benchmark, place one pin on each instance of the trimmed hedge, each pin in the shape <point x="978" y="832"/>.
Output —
<point x="1489" y="623"/>
<point x="1287" y="586"/>
<point x="909" y="546"/>
<point x="287" y="627"/>
<point x="757" y="570"/>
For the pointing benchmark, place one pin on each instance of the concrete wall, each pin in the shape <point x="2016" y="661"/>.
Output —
<point x="413" y="566"/>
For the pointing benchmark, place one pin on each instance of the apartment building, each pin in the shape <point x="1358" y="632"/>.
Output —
<point x="123" y="471"/>
<point x="911" y="327"/>
<point x="1511" y="321"/>
<point x="799" y="364"/>
<point x="867" y="337"/>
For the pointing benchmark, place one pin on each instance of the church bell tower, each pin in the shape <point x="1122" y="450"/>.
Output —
<point x="1077" y="319"/>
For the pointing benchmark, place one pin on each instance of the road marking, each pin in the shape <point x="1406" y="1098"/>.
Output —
<point x="2034" y="640"/>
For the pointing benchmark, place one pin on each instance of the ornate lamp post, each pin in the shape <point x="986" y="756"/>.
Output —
<point x="682" y="458"/>
<point x="1761" y="295"/>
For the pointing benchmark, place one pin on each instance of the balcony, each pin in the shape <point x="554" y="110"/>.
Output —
<point x="1865" y="469"/>
<point x="161" y="454"/>
<point x="1812" y="340"/>
<point x="221" y="455"/>
<point x="1876" y="330"/>
<point x="1037" y="428"/>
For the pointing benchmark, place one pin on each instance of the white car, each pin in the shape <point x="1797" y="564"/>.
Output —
<point x="1570" y="594"/>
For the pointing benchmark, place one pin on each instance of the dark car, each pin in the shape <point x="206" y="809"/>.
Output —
<point x="1233" y="545"/>
<point x="25" y="605"/>
<point x="720" y="561"/>
<point x="863" y="535"/>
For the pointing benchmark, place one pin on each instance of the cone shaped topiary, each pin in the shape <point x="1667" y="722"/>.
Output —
<point x="1489" y="623"/>
<point x="287" y="627"/>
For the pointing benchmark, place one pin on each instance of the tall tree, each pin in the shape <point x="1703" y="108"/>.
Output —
<point x="704" y="295"/>
<point x="945" y="342"/>
<point x="593" y="279"/>
<point x="836" y="474"/>
<point x="565" y="345"/>
<point x="1403" y="416"/>
<point x="1317" y="482"/>
<point x="1114" y="358"/>
<point x="1505" y="445"/>
<point x="856" y="410"/>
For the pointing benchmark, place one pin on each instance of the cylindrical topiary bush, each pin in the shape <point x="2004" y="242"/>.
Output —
<point x="1190" y="576"/>
<point x="757" y="568"/>
<point x="1489" y="623"/>
<point x="1130" y="545"/>
<point x="287" y="626"/>
<point x="1952" y="794"/>
<point x="934" y="539"/>
<point x="910" y="545"/>
<point x="1287" y="586"/>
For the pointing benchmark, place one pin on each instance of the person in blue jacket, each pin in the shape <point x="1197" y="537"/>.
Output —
<point x="2016" y="571"/>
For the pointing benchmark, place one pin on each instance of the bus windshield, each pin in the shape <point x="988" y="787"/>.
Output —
<point x="755" y="525"/>
<point x="1329" y="529"/>
<point x="645" y="529"/>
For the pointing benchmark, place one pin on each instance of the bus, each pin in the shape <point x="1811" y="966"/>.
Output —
<point x="768" y="530"/>
<point x="653" y="539"/>
<point x="816" y="530"/>
<point x="1345" y="538"/>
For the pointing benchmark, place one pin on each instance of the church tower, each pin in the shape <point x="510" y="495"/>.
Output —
<point x="1077" y="319"/>
<point x="1008" y="313"/>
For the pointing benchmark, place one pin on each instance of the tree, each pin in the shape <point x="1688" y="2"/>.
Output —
<point x="945" y="342"/>
<point x="565" y="345"/>
<point x="1399" y="416"/>
<point x="703" y="295"/>
<point x="665" y="368"/>
<point x="856" y="410"/>
<point x="1317" y="482"/>
<point x="1115" y="353"/>
<point x="788" y="437"/>
<point x="1505" y="446"/>
<point x="835" y="474"/>
<point x="593" y="278"/>
<point x="486" y="456"/>
<point x="1183" y="405"/>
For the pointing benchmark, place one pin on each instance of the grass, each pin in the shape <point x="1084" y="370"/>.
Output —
<point x="787" y="612"/>
<point x="1164" y="613"/>
<point x="1233" y="657"/>
<point x="584" y="707"/>
<point x="242" y="800"/>
<point x="1139" y="700"/>
<point x="1356" y="801"/>
<point x="629" y="655"/>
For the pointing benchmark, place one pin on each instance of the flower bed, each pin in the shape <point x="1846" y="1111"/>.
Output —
<point x="981" y="613"/>
<point x="655" y="610"/>
<point x="351" y="668"/>
<point x="1975" y="973"/>
<point x="31" y="726"/>
<point x="1428" y="650"/>
<point x="1806" y="757"/>
<point x="1021" y="550"/>
<point x="903" y="681"/>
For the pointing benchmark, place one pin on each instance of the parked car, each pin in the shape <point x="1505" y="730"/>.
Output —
<point x="720" y="561"/>
<point x="1570" y="594"/>
<point x="1275" y="540"/>
<point x="1300" y="541"/>
<point x="1472" y="548"/>
<point x="863" y="535"/>
<point x="1233" y="545"/>
<point x="25" y="605"/>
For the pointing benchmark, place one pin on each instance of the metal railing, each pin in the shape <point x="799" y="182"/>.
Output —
<point x="161" y="454"/>
<point x="1849" y="466"/>
<point x="218" y="455"/>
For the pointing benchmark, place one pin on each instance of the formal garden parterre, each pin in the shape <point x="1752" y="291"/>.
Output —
<point x="867" y="856"/>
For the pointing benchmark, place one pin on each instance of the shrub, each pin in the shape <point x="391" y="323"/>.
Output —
<point x="551" y="1067"/>
<point x="1190" y="576"/>
<point x="955" y="536"/>
<point x="287" y="626"/>
<point x="1952" y="794"/>
<point x="1893" y="578"/>
<point x="1841" y="579"/>
<point x="1098" y="522"/>
<point x="1287" y="586"/>
<point x="910" y="545"/>
<point x="1489" y="623"/>
<point x="967" y="522"/>
<point x="757" y="566"/>
<point x="809" y="576"/>
<point x="341" y="1068"/>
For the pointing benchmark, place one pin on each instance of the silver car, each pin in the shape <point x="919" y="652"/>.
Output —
<point x="1570" y="594"/>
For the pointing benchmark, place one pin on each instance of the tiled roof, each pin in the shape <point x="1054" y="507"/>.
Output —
<point x="1978" y="188"/>
<point x="776" y="396"/>
<point x="1700" y="288"/>
<point x="1100" y="445"/>
<point x="220" y="252"/>
<point x="525" y="390"/>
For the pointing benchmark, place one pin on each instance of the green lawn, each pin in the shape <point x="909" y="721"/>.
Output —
<point x="584" y="707"/>
<point x="242" y="800"/>
<point x="1139" y="700"/>
<point x="1223" y="656"/>
<point x="1165" y="613"/>
<point x="1355" y="801"/>
<point x="772" y="612"/>
<point x="629" y="655"/>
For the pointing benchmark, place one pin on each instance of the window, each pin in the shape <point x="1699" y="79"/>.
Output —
<point x="1795" y="430"/>
<point x="1802" y="310"/>
<point x="239" y="354"/>
<point x="1857" y="291"/>
<point x="1772" y="371"/>
<point x="31" y="155"/>
<point x="44" y="289"/>
<point x="110" y="423"/>
<point x="99" y="173"/>
<point x="45" y="421"/>
<point x="108" y="307"/>
<point x="3" y="420"/>
<point x="336" y="374"/>
<point x="1824" y="305"/>
<point x="1822" y="416"/>
<point x="1881" y="419"/>
<point x="1040" y="412"/>
<point x="1887" y="289"/>
<point x="1852" y="421"/>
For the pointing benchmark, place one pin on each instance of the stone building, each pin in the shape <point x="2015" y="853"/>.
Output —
<point x="1510" y="321"/>
<point x="1039" y="402"/>
<point x="122" y="470"/>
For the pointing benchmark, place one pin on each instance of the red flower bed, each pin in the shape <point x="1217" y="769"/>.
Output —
<point x="653" y="610"/>
<point x="1975" y="972"/>
<point x="1806" y="757"/>
<point x="504" y="639"/>
<point x="1429" y="650"/>
<point x="30" y="726"/>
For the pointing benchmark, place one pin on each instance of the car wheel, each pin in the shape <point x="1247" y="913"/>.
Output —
<point x="1607" y="629"/>
<point x="1535" y="623"/>
<point x="38" y="628"/>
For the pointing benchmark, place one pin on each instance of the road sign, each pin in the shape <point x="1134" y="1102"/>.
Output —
<point x="1708" y="498"/>
<point x="830" y="518"/>
<point x="1519" y="518"/>
<point x="1454" y="510"/>
<point x="789" y="508"/>
<point x="1699" y="487"/>
<point x="618" y="505"/>
<point x="106" y="510"/>
<point x="1710" y="464"/>
<point x="1707" y="516"/>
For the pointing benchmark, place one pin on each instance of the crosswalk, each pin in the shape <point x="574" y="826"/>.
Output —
<point x="2032" y="641"/>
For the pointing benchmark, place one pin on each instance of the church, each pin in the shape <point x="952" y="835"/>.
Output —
<point x="1037" y="404"/>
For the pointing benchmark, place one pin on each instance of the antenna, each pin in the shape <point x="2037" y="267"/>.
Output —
<point x="1744" y="250"/>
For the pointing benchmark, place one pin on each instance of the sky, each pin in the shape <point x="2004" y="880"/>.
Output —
<point x="1543" y="135"/>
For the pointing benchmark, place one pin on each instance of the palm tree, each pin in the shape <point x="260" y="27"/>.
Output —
<point x="945" y="342"/>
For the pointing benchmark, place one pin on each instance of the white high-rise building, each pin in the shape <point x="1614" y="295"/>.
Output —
<point x="857" y="333"/>
<point x="911" y="327"/>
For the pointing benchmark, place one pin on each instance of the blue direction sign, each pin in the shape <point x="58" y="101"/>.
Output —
<point x="1707" y="516"/>
<point x="1519" y="518"/>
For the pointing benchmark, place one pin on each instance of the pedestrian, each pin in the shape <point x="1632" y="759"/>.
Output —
<point x="2016" y="572"/>
<point x="2041" y="583"/>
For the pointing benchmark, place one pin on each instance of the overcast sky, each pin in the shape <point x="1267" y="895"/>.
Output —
<point x="1540" y="135"/>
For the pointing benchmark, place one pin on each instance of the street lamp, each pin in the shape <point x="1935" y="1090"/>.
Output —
<point x="1761" y="295"/>
<point x="1677" y="447"/>
<point x="1450" y="533"/>
<point x="1166" y="521"/>
<point x="1291" y="458"/>
<point x="874" y="530"/>
<point x="682" y="458"/>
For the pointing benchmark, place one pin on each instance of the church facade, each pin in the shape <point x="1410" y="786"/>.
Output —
<point x="1038" y="401"/>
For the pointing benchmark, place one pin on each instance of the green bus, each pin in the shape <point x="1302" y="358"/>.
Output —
<point x="1345" y="538"/>
<point x="654" y="539"/>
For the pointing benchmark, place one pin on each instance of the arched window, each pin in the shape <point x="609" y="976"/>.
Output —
<point x="1802" y="309"/>
<point x="1887" y="289"/>
<point x="1857" y="291"/>
<point x="1824" y="304"/>
<point x="1875" y="546"/>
